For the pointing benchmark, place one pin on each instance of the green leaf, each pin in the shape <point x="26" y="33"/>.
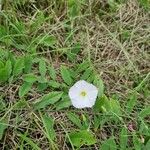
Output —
<point x="37" y="22"/>
<point x="12" y="58"/>
<point x="76" y="48"/>
<point x="136" y="142"/>
<point x="83" y="66"/>
<point x="123" y="139"/>
<point x="66" y="75"/>
<point x="42" y="79"/>
<point x="48" y="123"/>
<point x="28" y="64"/>
<point x="31" y="78"/>
<point x="91" y="79"/>
<point x="3" y="127"/>
<point x="82" y="137"/>
<point x="147" y="146"/>
<point x="18" y="67"/>
<point x="73" y="8"/>
<point x="145" y="4"/>
<point x="24" y="89"/>
<point x="115" y="107"/>
<point x="42" y="86"/>
<point x="131" y="103"/>
<point x="21" y="104"/>
<point x="29" y="141"/>
<point x="102" y="104"/>
<point x="99" y="84"/>
<point x="50" y="98"/>
<point x="86" y="74"/>
<point x="48" y="40"/>
<point x="144" y="128"/>
<point x="3" y="75"/>
<point x="5" y="72"/>
<point x="54" y="84"/>
<point x="97" y="122"/>
<point x="145" y="112"/>
<point x="1" y="64"/>
<point x="109" y="144"/>
<point x="42" y="67"/>
<point x="8" y="67"/>
<point x="74" y="119"/>
<point x="63" y="103"/>
<point x="52" y="72"/>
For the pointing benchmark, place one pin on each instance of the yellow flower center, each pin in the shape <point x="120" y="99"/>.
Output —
<point x="83" y="93"/>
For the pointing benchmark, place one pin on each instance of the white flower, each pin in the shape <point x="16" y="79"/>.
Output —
<point x="83" y="94"/>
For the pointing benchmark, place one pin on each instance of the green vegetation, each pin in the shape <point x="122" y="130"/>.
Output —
<point x="46" y="46"/>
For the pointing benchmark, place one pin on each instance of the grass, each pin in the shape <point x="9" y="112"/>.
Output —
<point x="46" y="46"/>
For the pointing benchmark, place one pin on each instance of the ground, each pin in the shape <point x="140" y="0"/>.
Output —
<point x="46" y="46"/>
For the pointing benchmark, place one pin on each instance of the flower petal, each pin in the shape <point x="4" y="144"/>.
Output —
<point x="80" y="101"/>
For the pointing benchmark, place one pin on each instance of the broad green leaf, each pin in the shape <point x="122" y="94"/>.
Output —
<point x="73" y="73"/>
<point x="145" y="4"/>
<point x="102" y="104"/>
<point x="12" y="58"/>
<point x="42" y="67"/>
<point x="66" y="75"/>
<point x="18" y="67"/>
<point x="137" y="143"/>
<point x="83" y="66"/>
<point x="31" y="78"/>
<point x="54" y="84"/>
<point x="37" y="22"/>
<point x="147" y="146"/>
<point x="99" y="121"/>
<point x="72" y="54"/>
<point x="3" y="127"/>
<point x="74" y="119"/>
<point x="3" y="31"/>
<point x="28" y="64"/>
<point x="91" y="78"/>
<point x="96" y="122"/>
<point x="86" y="122"/>
<point x="42" y="86"/>
<point x="8" y="67"/>
<point x="1" y="64"/>
<point x="115" y="107"/>
<point x="145" y="112"/>
<point x="123" y="139"/>
<point x="48" y="123"/>
<point x="82" y="137"/>
<point x="86" y="74"/>
<point x="63" y="103"/>
<point x="21" y="104"/>
<point x="50" y="98"/>
<point x="48" y="40"/>
<point x="52" y="72"/>
<point x="131" y="103"/>
<point x="42" y="79"/>
<point x="3" y="75"/>
<point x="5" y="72"/>
<point x="109" y="144"/>
<point x="76" y="48"/>
<point x="24" y="89"/>
<point x="29" y="141"/>
<point x="144" y="128"/>
<point x="100" y="85"/>
<point x="74" y="8"/>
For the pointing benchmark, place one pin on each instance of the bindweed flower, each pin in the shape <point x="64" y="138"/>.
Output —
<point x="83" y="94"/>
